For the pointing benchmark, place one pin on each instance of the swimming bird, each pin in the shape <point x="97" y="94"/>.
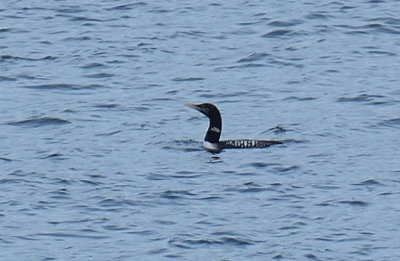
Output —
<point x="211" y="140"/>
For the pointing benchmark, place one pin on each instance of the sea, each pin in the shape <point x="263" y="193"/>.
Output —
<point x="101" y="160"/>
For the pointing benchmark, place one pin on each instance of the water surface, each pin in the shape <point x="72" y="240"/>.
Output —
<point x="100" y="160"/>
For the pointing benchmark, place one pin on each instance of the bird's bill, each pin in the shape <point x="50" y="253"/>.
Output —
<point x="193" y="106"/>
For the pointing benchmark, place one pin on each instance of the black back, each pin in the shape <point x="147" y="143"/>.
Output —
<point x="245" y="143"/>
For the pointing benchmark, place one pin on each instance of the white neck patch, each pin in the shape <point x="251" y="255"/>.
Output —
<point x="215" y="129"/>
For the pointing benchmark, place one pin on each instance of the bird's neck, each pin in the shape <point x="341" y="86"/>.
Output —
<point x="214" y="130"/>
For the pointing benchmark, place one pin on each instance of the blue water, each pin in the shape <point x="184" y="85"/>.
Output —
<point x="100" y="160"/>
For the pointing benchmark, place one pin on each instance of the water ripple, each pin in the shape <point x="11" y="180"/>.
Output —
<point x="106" y="105"/>
<point x="358" y="203"/>
<point x="260" y="164"/>
<point x="253" y="57"/>
<point x="224" y="240"/>
<point x="54" y="155"/>
<point x="318" y="16"/>
<point x="285" y="169"/>
<point x="62" y="86"/>
<point x="6" y="78"/>
<point x="39" y="122"/>
<point x="5" y="159"/>
<point x="93" y="66"/>
<point x="100" y="75"/>
<point x="188" y="79"/>
<point x="288" y="23"/>
<point x="394" y="123"/>
<point x="369" y="28"/>
<point x="369" y="182"/>
<point x="16" y="58"/>
<point x="277" y="33"/>
<point x="176" y="194"/>
<point x="360" y="98"/>
<point x="69" y="235"/>
<point x="279" y="129"/>
<point x="128" y="6"/>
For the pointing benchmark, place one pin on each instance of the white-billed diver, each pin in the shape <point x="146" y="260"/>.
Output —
<point x="211" y="140"/>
